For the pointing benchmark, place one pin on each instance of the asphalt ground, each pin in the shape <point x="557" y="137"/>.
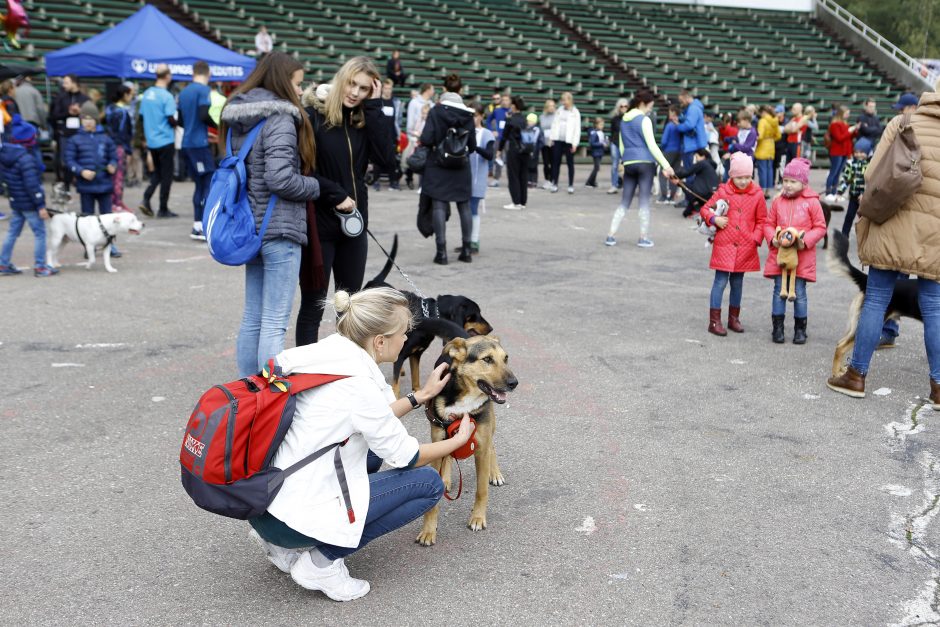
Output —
<point x="656" y="474"/>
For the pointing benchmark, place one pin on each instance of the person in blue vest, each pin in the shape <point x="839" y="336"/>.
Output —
<point x="691" y="127"/>
<point x="158" y="110"/>
<point x="194" y="104"/>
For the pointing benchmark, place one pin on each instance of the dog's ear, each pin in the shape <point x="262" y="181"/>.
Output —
<point x="777" y="232"/>
<point x="494" y="338"/>
<point x="456" y="349"/>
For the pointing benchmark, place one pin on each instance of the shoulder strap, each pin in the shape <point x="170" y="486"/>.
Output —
<point x="302" y="382"/>
<point x="309" y="459"/>
<point x="249" y="140"/>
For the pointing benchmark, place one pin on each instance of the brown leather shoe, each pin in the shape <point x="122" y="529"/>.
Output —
<point x="851" y="383"/>
<point x="714" y="323"/>
<point x="734" y="323"/>
<point x="935" y="395"/>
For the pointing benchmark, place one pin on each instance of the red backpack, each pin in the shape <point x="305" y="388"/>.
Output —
<point x="232" y="435"/>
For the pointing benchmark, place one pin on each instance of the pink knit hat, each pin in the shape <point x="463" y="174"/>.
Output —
<point x="741" y="165"/>
<point x="798" y="170"/>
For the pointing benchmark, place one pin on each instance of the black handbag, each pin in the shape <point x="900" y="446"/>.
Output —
<point x="418" y="159"/>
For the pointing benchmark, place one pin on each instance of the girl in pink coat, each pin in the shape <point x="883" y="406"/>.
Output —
<point x="740" y="232"/>
<point x="798" y="206"/>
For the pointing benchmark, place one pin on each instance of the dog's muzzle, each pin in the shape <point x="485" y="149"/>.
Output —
<point x="498" y="395"/>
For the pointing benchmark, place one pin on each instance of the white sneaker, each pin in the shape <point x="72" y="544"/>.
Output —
<point x="570" y="190"/>
<point x="840" y="198"/>
<point x="553" y="189"/>
<point x="333" y="581"/>
<point x="546" y="185"/>
<point x="512" y="207"/>
<point x="277" y="555"/>
<point x="612" y="190"/>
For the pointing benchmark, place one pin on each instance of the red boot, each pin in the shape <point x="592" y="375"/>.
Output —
<point x="714" y="322"/>
<point x="734" y="324"/>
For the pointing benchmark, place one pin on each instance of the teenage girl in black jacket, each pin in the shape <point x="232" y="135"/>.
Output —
<point x="350" y="131"/>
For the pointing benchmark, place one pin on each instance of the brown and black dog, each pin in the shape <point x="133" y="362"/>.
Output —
<point x="480" y="378"/>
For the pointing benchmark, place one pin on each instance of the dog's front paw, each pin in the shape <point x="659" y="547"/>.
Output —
<point x="497" y="478"/>
<point x="427" y="537"/>
<point x="111" y="269"/>
<point x="477" y="522"/>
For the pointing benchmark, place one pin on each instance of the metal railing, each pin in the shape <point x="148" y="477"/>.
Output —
<point x="859" y="27"/>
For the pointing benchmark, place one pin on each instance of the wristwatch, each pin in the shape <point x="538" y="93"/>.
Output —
<point x="414" y="402"/>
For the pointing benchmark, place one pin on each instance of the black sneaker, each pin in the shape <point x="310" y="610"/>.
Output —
<point x="167" y="214"/>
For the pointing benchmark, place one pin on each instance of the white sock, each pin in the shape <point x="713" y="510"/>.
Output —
<point x="197" y="225"/>
<point x="319" y="559"/>
<point x="475" y="229"/>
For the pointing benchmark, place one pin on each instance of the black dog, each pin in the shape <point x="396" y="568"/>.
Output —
<point x="445" y="317"/>
<point x="827" y="214"/>
<point x="903" y="303"/>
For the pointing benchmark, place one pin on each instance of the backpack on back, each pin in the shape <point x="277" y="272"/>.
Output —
<point x="453" y="151"/>
<point x="232" y="436"/>
<point x="530" y="137"/>
<point x="229" y="221"/>
<point x="896" y="178"/>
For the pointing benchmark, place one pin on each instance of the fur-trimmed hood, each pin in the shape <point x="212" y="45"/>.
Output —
<point x="315" y="97"/>
<point x="245" y="110"/>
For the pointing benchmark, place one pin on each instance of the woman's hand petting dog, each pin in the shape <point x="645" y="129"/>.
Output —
<point x="434" y="384"/>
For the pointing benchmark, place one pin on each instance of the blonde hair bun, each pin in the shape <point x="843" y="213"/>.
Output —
<point x="341" y="301"/>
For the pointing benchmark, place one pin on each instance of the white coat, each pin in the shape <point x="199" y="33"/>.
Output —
<point x="566" y="126"/>
<point x="310" y="501"/>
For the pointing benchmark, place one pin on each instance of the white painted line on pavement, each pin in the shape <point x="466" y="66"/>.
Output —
<point x="67" y="365"/>
<point x="187" y="259"/>
<point x="103" y="345"/>
<point x="882" y="392"/>
<point x="587" y="527"/>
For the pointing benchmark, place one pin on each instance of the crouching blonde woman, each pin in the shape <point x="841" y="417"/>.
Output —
<point x="323" y="512"/>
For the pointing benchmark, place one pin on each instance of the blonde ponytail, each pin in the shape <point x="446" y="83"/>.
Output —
<point x="365" y="314"/>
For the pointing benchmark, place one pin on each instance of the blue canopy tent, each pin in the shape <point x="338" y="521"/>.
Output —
<point x="135" y="47"/>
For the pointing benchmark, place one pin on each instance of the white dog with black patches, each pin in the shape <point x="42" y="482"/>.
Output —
<point x="90" y="231"/>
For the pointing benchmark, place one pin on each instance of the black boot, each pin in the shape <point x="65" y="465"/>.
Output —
<point x="799" y="330"/>
<point x="465" y="253"/>
<point x="441" y="256"/>
<point x="777" y="334"/>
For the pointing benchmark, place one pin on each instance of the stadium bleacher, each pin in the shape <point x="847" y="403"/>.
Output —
<point x="599" y="50"/>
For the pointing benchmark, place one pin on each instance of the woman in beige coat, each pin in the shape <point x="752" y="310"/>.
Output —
<point x="906" y="243"/>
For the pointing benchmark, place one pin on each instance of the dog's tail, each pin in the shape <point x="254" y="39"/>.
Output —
<point x="379" y="279"/>
<point x="838" y="260"/>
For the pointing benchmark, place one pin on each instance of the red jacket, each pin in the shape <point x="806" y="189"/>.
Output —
<point x="804" y="213"/>
<point x="840" y="142"/>
<point x="735" y="246"/>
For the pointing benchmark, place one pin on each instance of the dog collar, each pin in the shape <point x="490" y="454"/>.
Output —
<point x="104" y="231"/>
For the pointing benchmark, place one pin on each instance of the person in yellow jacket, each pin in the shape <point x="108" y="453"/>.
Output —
<point x="768" y="133"/>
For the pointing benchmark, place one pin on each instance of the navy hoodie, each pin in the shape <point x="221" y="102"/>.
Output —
<point x="23" y="180"/>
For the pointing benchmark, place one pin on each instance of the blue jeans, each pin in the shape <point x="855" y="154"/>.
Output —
<point x="877" y="298"/>
<point x="718" y="288"/>
<point x="88" y="201"/>
<point x="201" y="165"/>
<point x="270" y="283"/>
<point x="396" y="497"/>
<point x="778" y="306"/>
<point x="614" y="162"/>
<point x="765" y="173"/>
<point x="835" y="171"/>
<point x="475" y="205"/>
<point x="16" y="227"/>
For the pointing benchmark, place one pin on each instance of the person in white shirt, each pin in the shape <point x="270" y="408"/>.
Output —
<point x="263" y="42"/>
<point x="565" y="135"/>
<point x="327" y="511"/>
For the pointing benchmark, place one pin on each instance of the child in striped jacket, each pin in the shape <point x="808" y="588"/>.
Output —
<point x="853" y="181"/>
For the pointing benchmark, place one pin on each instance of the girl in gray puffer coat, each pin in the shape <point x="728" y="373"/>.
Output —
<point x="282" y="151"/>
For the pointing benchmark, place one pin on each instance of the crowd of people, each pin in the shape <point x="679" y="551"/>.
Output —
<point x="317" y="151"/>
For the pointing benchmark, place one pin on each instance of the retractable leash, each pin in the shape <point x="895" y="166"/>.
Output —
<point x="420" y="294"/>
<point x="686" y="189"/>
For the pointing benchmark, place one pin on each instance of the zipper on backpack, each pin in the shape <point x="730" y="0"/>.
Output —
<point x="229" y="432"/>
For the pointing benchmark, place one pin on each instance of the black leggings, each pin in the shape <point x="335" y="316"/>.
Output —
<point x="346" y="259"/>
<point x="162" y="175"/>
<point x="559" y="149"/>
<point x="439" y="216"/>
<point x="547" y="163"/>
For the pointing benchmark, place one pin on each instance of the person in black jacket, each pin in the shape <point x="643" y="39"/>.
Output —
<point x="444" y="185"/>
<point x="515" y="154"/>
<point x="350" y="130"/>
<point x="705" y="181"/>
<point x="63" y="118"/>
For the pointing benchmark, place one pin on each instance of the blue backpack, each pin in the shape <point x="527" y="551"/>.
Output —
<point x="229" y="221"/>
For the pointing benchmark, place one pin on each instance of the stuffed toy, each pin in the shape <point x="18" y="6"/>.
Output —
<point x="720" y="209"/>
<point x="13" y="20"/>
<point x="788" y="242"/>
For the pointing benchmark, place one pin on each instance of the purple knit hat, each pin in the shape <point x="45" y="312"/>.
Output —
<point x="798" y="170"/>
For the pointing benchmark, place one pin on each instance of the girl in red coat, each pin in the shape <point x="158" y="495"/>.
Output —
<point x="740" y="232"/>
<point x="798" y="206"/>
<point x="840" y="149"/>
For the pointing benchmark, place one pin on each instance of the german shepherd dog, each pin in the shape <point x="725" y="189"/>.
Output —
<point x="446" y="317"/>
<point x="480" y="378"/>
<point x="903" y="303"/>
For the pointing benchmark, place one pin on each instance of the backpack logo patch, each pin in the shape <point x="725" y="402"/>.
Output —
<point x="194" y="446"/>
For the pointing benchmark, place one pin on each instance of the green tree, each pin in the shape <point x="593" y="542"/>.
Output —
<point x="912" y="25"/>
